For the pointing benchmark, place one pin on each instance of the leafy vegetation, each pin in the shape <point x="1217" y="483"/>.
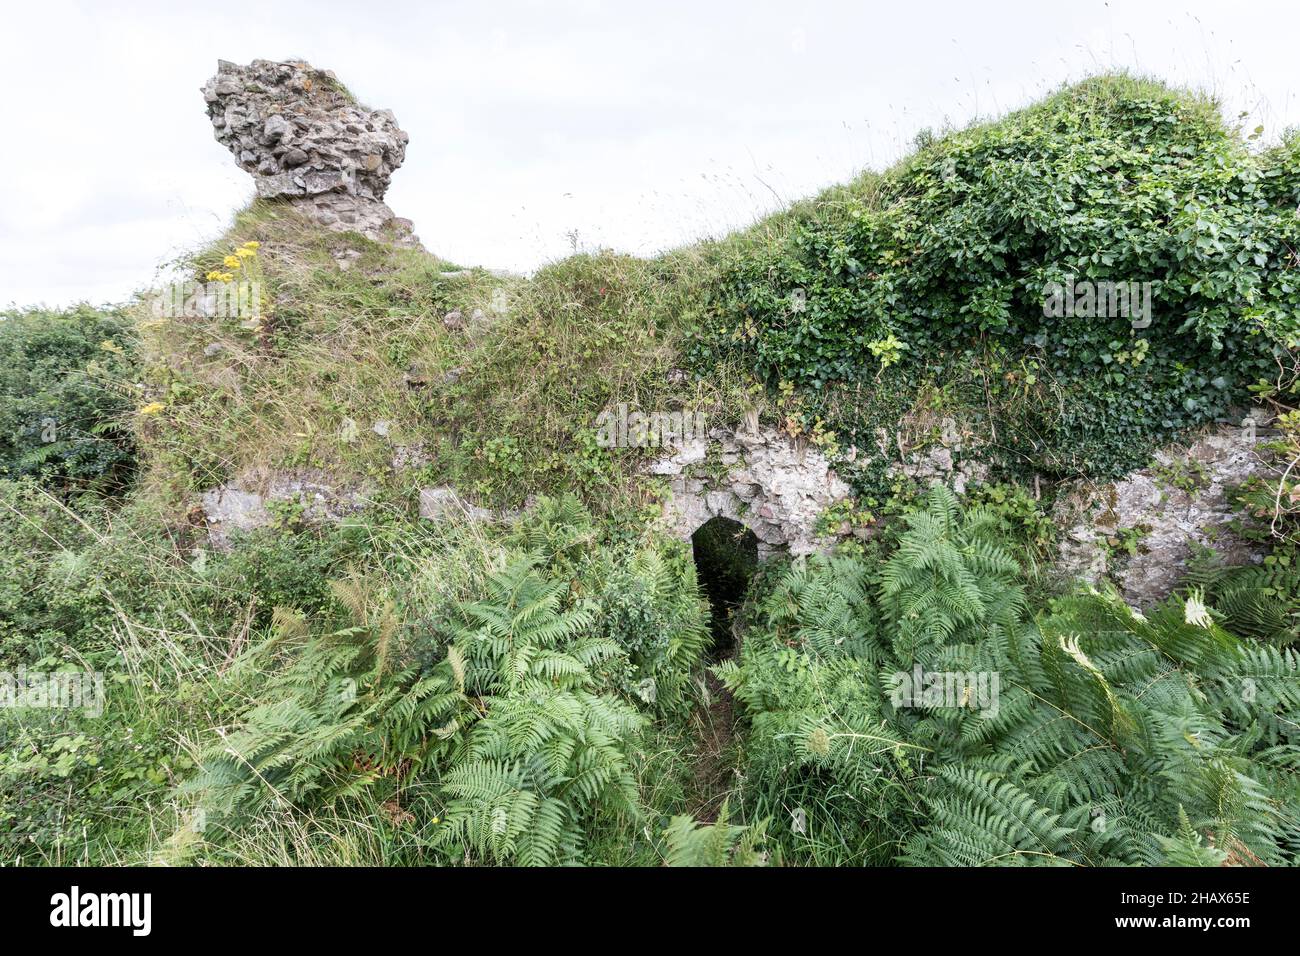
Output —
<point x="488" y="690"/>
<point x="937" y="273"/>
<point x="485" y="381"/>
<point x="65" y="397"/>
<point x="1110" y="737"/>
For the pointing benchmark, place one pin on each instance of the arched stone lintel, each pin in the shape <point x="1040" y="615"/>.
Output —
<point x="692" y="518"/>
<point x="773" y="486"/>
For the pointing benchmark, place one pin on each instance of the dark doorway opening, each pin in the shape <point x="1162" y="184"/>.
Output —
<point x="726" y="556"/>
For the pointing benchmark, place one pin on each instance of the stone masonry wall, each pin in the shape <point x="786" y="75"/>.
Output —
<point x="305" y="140"/>
<point x="771" y="484"/>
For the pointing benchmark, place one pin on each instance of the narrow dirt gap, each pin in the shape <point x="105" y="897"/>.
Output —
<point x="726" y="556"/>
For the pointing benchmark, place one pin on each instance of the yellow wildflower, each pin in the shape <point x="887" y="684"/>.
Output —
<point x="226" y="276"/>
<point x="252" y="244"/>
<point x="153" y="408"/>
<point x="231" y="262"/>
<point x="244" y="253"/>
<point x="214" y="276"/>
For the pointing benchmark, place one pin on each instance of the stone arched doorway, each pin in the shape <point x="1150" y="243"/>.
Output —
<point x="726" y="557"/>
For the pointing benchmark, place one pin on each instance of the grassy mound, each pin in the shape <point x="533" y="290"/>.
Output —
<point x="494" y="381"/>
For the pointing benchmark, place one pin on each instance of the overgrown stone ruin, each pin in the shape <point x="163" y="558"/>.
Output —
<point x="1140" y="531"/>
<point x="305" y="140"/>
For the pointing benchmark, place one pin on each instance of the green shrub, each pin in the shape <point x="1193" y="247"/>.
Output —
<point x="66" y="397"/>
<point x="949" y="256"/>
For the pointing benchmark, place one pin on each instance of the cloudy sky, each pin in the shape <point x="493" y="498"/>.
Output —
<point x="540" y="127"/>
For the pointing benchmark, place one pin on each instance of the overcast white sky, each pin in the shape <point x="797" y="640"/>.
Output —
<point x="637" y="126"/>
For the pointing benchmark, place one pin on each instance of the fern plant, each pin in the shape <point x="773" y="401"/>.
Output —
<point x="1261" y="602"/>
<point x="338" y="717"/>
<point x="1116" y="737"/>
<point x="949" y="581"/>
<point x="506" y="713"/>
<point x="547" y="751"/>
<point x="721" y="843"/>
